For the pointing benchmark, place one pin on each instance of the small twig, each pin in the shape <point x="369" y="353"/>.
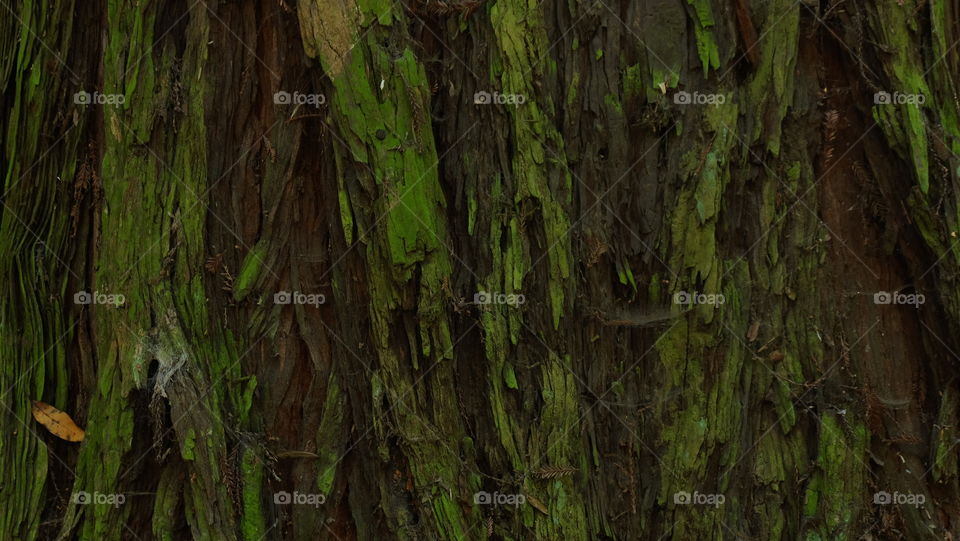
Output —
<point x="311" y="115"/>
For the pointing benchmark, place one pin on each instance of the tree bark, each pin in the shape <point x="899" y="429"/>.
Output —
<point x="381" y="262"/>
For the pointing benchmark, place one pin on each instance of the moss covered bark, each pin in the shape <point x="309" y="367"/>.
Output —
<point x="399" y="165"/>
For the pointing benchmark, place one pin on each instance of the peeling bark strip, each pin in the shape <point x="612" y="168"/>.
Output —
<point x="748" y="34"/>
<point x="478" y="269"/>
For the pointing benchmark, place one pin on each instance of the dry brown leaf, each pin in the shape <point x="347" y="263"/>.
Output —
<point x="537" y="504"/>
<point x="57" y="422"/>
<point x="753" y="331"/>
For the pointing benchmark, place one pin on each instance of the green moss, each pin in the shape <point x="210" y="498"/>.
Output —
<point x="346" y="215"/>
<point x="572" y="89"/>
<point x="553" y="433"/>
<point x="509" y="377"/>
<point x="927" y="224"/>
<point x="707" y="194"/>
<point x="840" y="479"/>
<point x="328" y="447"/>
<point x="945" y="437"/>
<point x="188" y="446"/>
<point x="168" y="498"/>
<point x="380" y="107"/>
<point x="633" y="82"/>
<point x="613" y="104"/>
<point x="724" y="408"/>
<point x="246" y="400"/>
<point x="904" y="124"/>
<point x="253" y="525"/>
<point x="706" y="42"/>
<point x="625" y="274"/>
<point x="655" y="287"/>
<point x="471" y="209"/>
<point x="520" y="33"/>
<point x="770" y="90"/>
<point x="250" y="270"/>
<point x="684" y="435"/>
<point x="448" y="517"/>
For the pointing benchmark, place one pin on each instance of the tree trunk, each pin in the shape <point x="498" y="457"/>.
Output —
<point x="480" y="269"/>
